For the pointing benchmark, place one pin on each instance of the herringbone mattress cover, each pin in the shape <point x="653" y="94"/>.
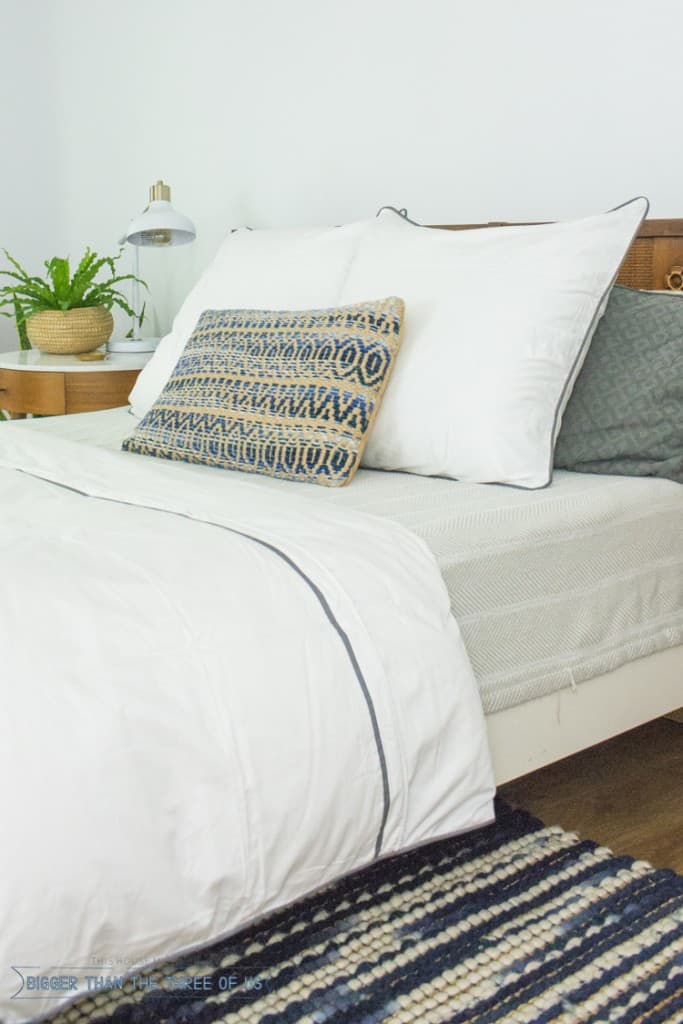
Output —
<point x="550" y="587"/>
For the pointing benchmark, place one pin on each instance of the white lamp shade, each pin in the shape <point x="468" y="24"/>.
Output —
<point x="159" y="224"/>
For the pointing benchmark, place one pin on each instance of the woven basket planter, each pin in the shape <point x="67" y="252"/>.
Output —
<point x="71" y="331"/>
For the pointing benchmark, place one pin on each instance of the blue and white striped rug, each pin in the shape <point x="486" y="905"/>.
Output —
<point x="516" y="922"/>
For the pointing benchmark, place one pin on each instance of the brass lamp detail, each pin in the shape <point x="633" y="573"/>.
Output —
<point x="156" y="236"/>
<point x="159" y="190"/>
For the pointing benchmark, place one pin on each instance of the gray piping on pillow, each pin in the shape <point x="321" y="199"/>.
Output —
<point x="402" y="213"/>
<point x="583" y="348"/>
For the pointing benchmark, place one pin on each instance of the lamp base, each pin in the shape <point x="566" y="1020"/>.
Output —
<point x="132" y="344"/>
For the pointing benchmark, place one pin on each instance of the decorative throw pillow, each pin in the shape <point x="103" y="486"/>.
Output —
<point x="287" y="394"/>
<point x="283" y="268"/>
<point x="625" y="414"/>
<point x="498" y="322"/>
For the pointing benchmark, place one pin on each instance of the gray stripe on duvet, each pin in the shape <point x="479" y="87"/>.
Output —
<point x="324" y="604"/>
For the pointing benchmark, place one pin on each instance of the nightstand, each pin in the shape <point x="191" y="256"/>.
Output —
<point x="35" y="382"/>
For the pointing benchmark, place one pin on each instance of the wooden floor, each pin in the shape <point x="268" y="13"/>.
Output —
<point x="626" y="793"/>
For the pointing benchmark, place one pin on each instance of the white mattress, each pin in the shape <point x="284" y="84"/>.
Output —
<point x="550" y="587"/>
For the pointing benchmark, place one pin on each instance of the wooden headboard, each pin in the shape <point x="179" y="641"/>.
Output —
<point x="654" y="261"/>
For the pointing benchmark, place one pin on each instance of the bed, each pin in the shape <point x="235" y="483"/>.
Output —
<point x="581" y="585"/>
<point x="249" y="687"/>
<point x="582" y="656"/>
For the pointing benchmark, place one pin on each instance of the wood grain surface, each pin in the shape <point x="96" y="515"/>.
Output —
<point x="23" y="391"/>
<point x="88" y="392"/>
<point x="53" y="393"/>
<point x="626" y="793"/>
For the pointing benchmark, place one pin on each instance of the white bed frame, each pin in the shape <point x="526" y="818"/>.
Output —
<point x="534" y="734"/>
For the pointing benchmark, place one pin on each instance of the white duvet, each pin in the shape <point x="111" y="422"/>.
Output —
<point x="212" y="703"/>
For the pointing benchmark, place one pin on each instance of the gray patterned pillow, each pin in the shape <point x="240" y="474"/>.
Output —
<point x="625" y="414"/>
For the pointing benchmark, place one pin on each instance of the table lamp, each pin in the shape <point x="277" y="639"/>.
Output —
<point x="158" y="225"/>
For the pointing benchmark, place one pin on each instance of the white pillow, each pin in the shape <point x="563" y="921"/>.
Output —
<point x="281" y="269"/>
<point x="497" y="324"/>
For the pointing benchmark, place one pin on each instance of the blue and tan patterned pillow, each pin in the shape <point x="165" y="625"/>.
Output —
<point x="287" y="394"/>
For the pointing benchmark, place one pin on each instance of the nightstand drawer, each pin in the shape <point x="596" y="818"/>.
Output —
<point x="88" y="392"/>
<point x="23" y="391"/>
<point x="61" y="385"/>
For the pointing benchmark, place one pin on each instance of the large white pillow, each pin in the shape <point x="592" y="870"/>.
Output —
<point x="497" y="324"/>
<point x="300" y="268"/>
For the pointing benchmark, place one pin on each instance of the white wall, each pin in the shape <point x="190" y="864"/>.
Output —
<point x="30" y="156"/>
<point x="274" y="112"/>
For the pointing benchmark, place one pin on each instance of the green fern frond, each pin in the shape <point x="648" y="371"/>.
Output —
<point x="27" y="294"/>
<point x="59" y="272"/>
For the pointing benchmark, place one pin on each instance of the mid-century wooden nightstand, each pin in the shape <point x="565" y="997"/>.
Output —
<point x="35" y="382"/>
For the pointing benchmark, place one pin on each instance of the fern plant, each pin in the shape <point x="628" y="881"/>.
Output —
<point x="60" y="290"/>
